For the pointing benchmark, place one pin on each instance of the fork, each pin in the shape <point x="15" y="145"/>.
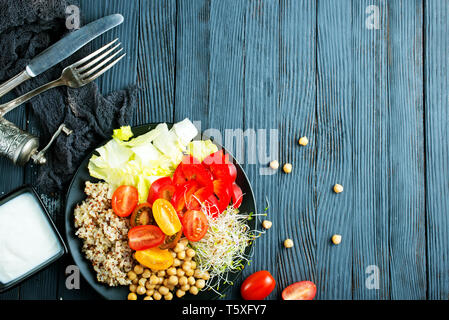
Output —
<point x="76" y="75"/>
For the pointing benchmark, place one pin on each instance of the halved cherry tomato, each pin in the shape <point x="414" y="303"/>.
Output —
<point x="142" y="215"/>
<point x="258" y="286"/>
<point x="195" y="225"/>
<point x="145" y="237"/>
<point x="211" y="204"/>
<point x="171" y="241"/>
<point x="161" y="188"/>
<point x="198" y="197"/>
<point x="198" y="173"/>
<point x="183" y="194"/>
<point x="218" y="157"/>
<point x="302" y="290"/>
<point x="155" y="258"/>
<point x="166" y="217"/>
<point x="124" y="200"/>
<point x="220" y="166"/>
<point x="223" y="193"/>
<point x="237" y="195"/>
<point x="179" y="176"/>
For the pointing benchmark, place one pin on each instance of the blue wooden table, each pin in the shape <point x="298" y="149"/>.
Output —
<point x="372" y="98"/>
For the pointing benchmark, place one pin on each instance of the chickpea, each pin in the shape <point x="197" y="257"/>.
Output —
<point x="274" y="165"/>
<point x="168" y="296"/>
<point x="154" y="279"/>
<point x="179" y="293"/>
<point x="180" y="272"/>
<point x="146" y="273"/>
<point x="336" y="239"/>
<point x="157" y="296"/>
<point x="267" y="224"/>
<point x="303" y="141"/>
<point x="185" y="287"/>
<point x="173" y="254"/>
<point x="161" y="273"/>
<point x="179" y="248"/>
<point x="176" y="262"/>
<point x="142" y="282"/>
<point x="193" y="264"/>
<point x="184" y="242"/>
<point x="182" y="281"/>
<point x="132" y="288"/>
<point x="288" y="243"/>
<point x="198" y="274"/>
<point x="163" y="290"/>
<point x="206" y="276"/>
<point x="161" y="280"/>
<point x="171" y="271"/>
<point x="149" y="286"/>
<point x="186" y="266"/>
<point x="173" y="280"/>
<point x="138" y="269"/>
<point x="141" y="290"/>
<point x="191" y="280"/>
<point x="135" y="281"/>
<point x="287" y="167"/>
<point x="190" y="252"/>
<point x="171" y="287"/>
<point x="132" y="275"/>
<point x="190" y="273"/>
<point x="150" y="292"/>
<point x="132" y="296"/>
<point x="181" y="255"/>
<point x="194" y="290"/>
<point x="338" y="188"/>
<point x="148" y="298"/>
<point x="200" y="283"/>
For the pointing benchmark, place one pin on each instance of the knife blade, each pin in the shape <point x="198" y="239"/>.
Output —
<point x="62" y="50"/>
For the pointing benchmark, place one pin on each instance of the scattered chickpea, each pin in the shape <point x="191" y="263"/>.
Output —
<point x="132" y="296"/>
<point x="288" y="243"/>
<point x="336" y="239"/>
<point x="182" y="280"/>
<point x="163" y="290"/>
<point x="132" y="275"/>
<point x="157" y="296"/>
<point x="287" y="168"/>
<point x="206" y="276"/>
<point x="194" y="290"/>
<point x="200" y="283"/>
<point x="168" y="296"/>
<point x="338" y="188"/>
<point x="141" y="290"/>
<point x="267" y="224"/>
<point x="303" y="141"/>
<point x="274" y="165"/>
<point x="191" y="280"/>
<point x="138" y="269"/>
<point x="185" y="287"/>
<point x="179" y="293"/>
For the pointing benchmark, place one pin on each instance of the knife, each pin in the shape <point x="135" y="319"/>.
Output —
<point x="62" y="50"/>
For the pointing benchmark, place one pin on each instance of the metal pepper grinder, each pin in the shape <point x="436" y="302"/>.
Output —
<point x="20" y="146"/>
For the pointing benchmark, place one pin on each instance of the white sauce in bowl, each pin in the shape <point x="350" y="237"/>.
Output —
<point x="26" y="237"/>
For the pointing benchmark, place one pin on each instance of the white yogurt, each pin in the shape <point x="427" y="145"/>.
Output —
<point x="26" y="237"/>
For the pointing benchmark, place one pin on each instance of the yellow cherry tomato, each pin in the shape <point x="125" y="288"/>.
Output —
<point x="155" y="258"/>
<point x="166" y="217"/>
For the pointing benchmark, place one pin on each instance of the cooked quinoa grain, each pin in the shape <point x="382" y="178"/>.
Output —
<point x="105" y="236"/>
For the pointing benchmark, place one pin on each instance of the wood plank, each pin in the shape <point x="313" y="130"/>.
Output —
<point x="437" y="147"/>
<point x="297" y="101"/>
<point x="156" y="61"/>
<point x="406" y="151"/>
<point x="334" y="156"/>
<point x="370" y="170"/>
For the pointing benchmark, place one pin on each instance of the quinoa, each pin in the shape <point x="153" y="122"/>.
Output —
<point x="104" y="235"/>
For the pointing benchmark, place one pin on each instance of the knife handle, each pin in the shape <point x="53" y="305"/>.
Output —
<point x="13" y="82"/>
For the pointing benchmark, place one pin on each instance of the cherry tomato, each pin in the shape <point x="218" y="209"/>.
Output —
<point x="223" y="193"/>
<point x="166" y="217"/>
<point x="198" y="173"/>
<point x="142" y="215"/>
<point x="162" y="188"/>
<point x="171" y="241"/>
<point x="258" y="286"/>
<point x="195" y="225"/>
<point x="198" y="197"/>
<point x="155" y="258"/>
<point x="145" y="237"/>
<point x="124" y="200"/>
<point x="211" y="204"/>
<point x="236" y="195"/>
<point x="179" y="177"/>
<point x="227" y="172"/>
<point x="183" y="195"/>
<point x="303" y="290"/>
<point x="218" y="157"/>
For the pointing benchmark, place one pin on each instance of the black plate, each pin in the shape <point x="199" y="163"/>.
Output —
<point x="76" y="195"/>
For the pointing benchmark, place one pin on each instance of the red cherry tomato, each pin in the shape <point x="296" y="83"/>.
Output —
<point x="236" y="195"/>
<point x="195" y="225"/>
<point x="211" y="204"/>
<point x="183" y="194"/>
<point x="124" y="200"/>
<point x="218" y="157"/>
<point x="220" y="166"/>
<point x="303" y="290"/>
<point x="162" y="188"/>
<point x="198" y="197"/>
<point x="223" y="193"/>
<point x="145" y="237"/>
<point x="258" y="286"/>
<point x="178" y="176"/>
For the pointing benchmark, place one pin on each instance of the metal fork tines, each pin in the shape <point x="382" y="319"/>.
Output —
<point x="77" y="74"/>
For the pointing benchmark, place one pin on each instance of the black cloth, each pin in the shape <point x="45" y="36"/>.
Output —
<point x="27" y="28"/>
